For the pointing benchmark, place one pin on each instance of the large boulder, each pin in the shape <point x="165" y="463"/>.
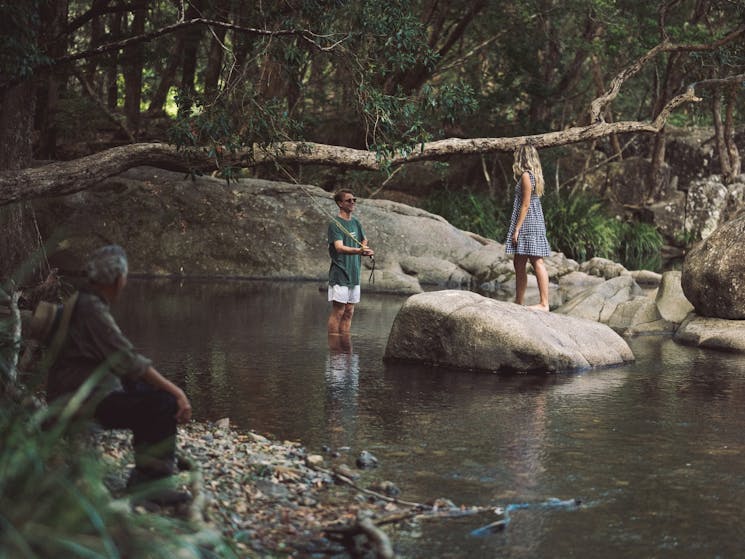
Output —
<point x="175" y="225"/>
<point x="638" y="316"/>
<point x="599" y="302"/>
<point x="705" y="204"/>
<point x="604" y="268"/>
<point x="575" y="283"/>
<point x="712" y="333"/>
<point x="713" y="275"/>
<point x="467" y="331"/>
<point x="670" y="299"/>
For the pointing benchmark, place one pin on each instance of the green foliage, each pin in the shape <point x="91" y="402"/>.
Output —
<point x="395" y="34"/>
<point x="215" y="128"/>
<point x="470" y="211"/>
<point x="53" y="502"/>
<point x="640" y="246"/>
<point x="579" y="226"/>
<point x="401" y="124"/>
<point x="20" y="52"/>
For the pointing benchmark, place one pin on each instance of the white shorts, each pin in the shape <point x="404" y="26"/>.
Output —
<point x="344" y="294"/>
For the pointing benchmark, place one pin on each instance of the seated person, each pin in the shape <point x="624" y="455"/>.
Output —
<point x="130" y="393"/>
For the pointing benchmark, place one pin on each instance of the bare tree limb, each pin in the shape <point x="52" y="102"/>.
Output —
<point x="703" y="47"/>
<point x="102" y="106"/>
<point x="598" y="105"/>
<point x="306" y="35"/>
<point x="67" y="177"/>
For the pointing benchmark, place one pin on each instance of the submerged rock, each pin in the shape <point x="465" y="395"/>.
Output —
<point x="366" y="460"/>
<point x="468" y="331"/>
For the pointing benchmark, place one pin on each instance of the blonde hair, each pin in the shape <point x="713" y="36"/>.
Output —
<point x="526" y="159"/>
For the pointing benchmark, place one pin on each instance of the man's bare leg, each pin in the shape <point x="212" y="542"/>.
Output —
<point x="345" y="324"/>
<point x="335" y="317"/>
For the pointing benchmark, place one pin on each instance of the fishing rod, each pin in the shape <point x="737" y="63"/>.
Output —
<point x="334" y="219"/>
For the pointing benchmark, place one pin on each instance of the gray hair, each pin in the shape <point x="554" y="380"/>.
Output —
<point x="106" y="264"/>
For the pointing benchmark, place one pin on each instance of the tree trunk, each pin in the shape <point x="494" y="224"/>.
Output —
<point x="132" y="69"/>
<point x="192" y="37"/>
<point x="735" y="160"/>
<point x="112" y="68"/>
<point x="674" y="74"/>
<point x="597" y="78"/>
<point x="721" y="142"/>
<point x="97" y="33"/>
<point x="53" y="20"/>
<point x="16" y="124"/>
<point x="220" y="9"/>
<point x="168" y="77"/>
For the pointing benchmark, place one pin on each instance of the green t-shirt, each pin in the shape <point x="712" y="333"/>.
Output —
<point x="345" y="268"/>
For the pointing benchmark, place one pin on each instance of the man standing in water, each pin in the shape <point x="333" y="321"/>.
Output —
<point x="347" y="244"/>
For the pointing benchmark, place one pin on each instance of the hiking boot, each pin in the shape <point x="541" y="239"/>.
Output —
<point x="148" y="489"/>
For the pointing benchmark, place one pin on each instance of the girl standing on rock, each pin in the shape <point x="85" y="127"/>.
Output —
<point x="526" y="238"/>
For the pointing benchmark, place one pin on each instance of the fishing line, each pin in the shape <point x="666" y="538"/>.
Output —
<point x="333" y="218"/>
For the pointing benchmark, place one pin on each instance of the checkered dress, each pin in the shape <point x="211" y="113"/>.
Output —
<point x="532" y="239"/>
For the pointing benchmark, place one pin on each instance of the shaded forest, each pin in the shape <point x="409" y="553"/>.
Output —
<point x="291" y="88"/>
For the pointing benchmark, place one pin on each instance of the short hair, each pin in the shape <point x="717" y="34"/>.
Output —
<point x="106" y="264"/>
<point x="339" y="194"/>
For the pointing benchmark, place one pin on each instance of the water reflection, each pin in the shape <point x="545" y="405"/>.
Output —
<point x="342" y="385"/>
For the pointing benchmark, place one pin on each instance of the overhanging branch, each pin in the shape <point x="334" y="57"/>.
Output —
<point x="67" y="177"/>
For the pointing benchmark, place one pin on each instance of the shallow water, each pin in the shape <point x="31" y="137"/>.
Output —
<point x="653" y="450"/>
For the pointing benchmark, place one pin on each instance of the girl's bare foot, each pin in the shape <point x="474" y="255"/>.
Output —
<point x="539" y="307"/>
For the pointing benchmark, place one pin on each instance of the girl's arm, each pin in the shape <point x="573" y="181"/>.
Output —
<point x="527" y="191"/>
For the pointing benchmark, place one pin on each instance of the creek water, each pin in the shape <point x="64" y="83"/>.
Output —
<point x="653" y="451"/>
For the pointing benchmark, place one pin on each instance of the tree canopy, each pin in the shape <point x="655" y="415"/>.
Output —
<point x="367" y="84"/>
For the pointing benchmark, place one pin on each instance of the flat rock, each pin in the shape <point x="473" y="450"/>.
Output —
<point x="712" y="333"/>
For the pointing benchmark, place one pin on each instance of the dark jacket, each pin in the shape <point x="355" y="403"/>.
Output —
<point x="94" y="342"/>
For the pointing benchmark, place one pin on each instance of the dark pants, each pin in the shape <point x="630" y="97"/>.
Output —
<point x="150" y="415"/>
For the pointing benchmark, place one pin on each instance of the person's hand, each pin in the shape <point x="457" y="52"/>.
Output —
<point x="367" y="251"/>
<point x="515" y="235"/>
<point x="183" y="415"/>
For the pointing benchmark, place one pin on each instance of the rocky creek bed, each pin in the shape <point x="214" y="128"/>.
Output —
<point x="272" y="498"/>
